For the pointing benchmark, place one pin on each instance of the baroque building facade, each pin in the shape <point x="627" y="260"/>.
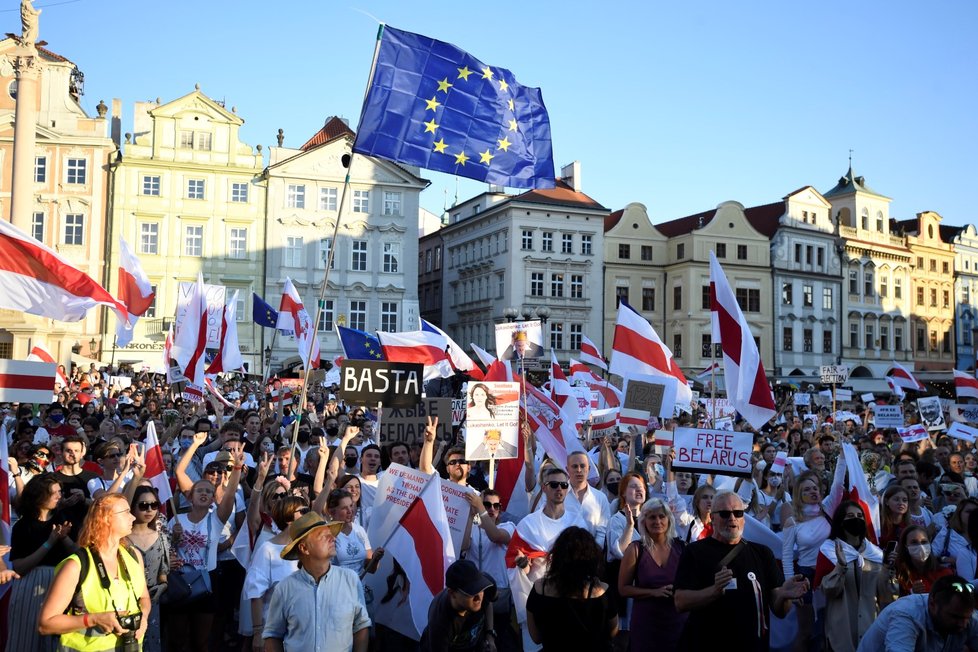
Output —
<point x="964" y="240"/>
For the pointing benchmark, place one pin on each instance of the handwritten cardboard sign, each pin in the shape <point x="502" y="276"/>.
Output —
<point x="960" y="431"/>
<point x="888" y="416"/>
<point x="407" y="424"/>
<point x="713" y="451"/>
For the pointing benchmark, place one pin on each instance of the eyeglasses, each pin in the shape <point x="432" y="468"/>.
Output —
<point x="962" y="587"/>
<point x="455" y="462"/>
<point x="113" y="456"/>
<point x="488" y="505"/>
<point x="42" y="455"/>
<point x="554" y="484"/>
<point x="727" y="513"/>
<point x="278" y="495"/>
<point x="145" y="506"/>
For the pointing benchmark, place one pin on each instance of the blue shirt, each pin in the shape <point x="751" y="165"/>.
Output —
<point x="309" y="615"/>
<point x="906" y="626"/>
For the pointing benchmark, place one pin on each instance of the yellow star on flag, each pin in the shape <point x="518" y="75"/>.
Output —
<point x="463" y="73"/>
<point x="430" y="126"/>
<point x="432" y="104"/>
<point x="461" y="158"/>
<point x="440" y="146"/>
<point x="504" y="144"/>
<point x="503" y="86"/>
<point x="510" y="103"/>
<point x="512" y="125"/>
<point x="487" y="73"/>
<point x="485" y="157"/>
<point x="443" y="85"/>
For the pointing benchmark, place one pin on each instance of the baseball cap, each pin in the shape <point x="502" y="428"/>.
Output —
<point x="132" y="423"/>
<point x="463" y="575"/>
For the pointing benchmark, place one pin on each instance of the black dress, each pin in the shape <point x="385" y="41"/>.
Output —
<point x="572" y="623"/>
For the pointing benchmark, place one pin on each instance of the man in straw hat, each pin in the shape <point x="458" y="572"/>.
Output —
<point x="307" y="605"/>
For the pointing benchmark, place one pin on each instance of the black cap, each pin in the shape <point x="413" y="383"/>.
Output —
<point x="465" y="576"/>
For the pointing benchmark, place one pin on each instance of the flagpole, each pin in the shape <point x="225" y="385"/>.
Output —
<point x="432" y="478"/>
<point x="713" y="382"/>
<point x="268" y="361"/>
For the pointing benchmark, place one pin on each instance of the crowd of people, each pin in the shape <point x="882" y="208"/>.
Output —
<point x="843" y="537"/>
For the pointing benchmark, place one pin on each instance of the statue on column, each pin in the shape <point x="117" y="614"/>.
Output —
<point x="28" y="21"/>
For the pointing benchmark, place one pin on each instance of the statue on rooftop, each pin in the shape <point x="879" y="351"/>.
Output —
<point x="28" y="21"/>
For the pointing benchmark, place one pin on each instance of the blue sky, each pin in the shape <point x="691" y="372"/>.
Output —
<point x="676" y="105"/>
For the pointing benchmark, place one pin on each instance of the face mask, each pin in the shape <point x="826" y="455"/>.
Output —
<point x="251" y="397"/>
<point x="811" y="510"/>
<point x="774" y="481"/>
<point x="659" y="470"/>
<point x="612" y="488"/>
<point x="350" y="462"/>
<point x="268" y="446"/>
<point x="303" y="438"/>
<point x="855" y="527"/>
<point x="185" y="443"/>
<point x="332" y="431"/>
<point x="919" y="551"/>
<point x="57" y="418"/>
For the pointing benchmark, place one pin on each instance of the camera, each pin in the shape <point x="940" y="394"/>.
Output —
<point x="131" y="622"/>
<point x="128" y="641"/>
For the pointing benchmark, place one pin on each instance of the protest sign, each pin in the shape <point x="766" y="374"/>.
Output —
<point x="713" y="451"/>
<point x="517" y="340"/>
<point x="216" y="296"/>
<point x="663" y="441"/>
<point x="961" y="431"/>
<point x="841" y="416"/>
<point x="824" y="397"/>
<point x="27" y="381"/>
<point x="120" y="381"/>
<point x="965" y="412"/>
<point x="395" y="384"/>
<point x="604" y="423"/>
<point x="645" y="396"/>
<point x="834" y="374"/>
<point x="868" y="397"/>
<point x="888" y="416"/>
<point x="492" y="420"/>
<point x="724" y="407"/>
<point x="913" y="433"/>
<point x="803" y="398"/>
<point x="407" y="424"/>
<point x="931" y="413"/>
<point x="724" y="423"/>
<point x="583" y="396"/>
<point x="458" y="411"/>
<point x="843" y="395"/>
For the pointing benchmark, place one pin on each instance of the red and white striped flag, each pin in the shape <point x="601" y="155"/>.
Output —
<point x="637" y="349"/>
<point x="155" y="469"/>
<point x="456" y="354"/>
<point x="40" y="354"/>
<point x="36" y="280"/>
<point x="26" y="382"/>
<point x="4" y="482"/>
<point x="190" y="339"/>
<point x="135" y="292"/>
<point x="581" y="373"/>
<point x="747" y="384"/>
<point x="485" y="357"/>
<point x="421" y="347"/>
<point x="422" y="545"/>
<point x="228" y="356"/>
<point x="590" y="353"/>
<point x="604" y="419"/>
<point x="193" y="393"/>
<point x="903" y="378"/>
<point x="965" y="385"/>
<point x="896" y="389"/>
<point x="293" y="316"/>
<point x="706" y="373"/>
<point x="560" y="387"/>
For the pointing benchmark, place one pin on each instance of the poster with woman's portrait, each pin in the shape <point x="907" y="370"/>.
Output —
<point x="492" y="419"/>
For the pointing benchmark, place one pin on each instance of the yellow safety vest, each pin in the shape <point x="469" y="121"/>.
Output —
<point x="96" y="599"/>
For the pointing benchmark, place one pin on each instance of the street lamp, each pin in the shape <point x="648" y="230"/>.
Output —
<point x="543" y="312"/>
<point x="92" y="343"/>
<point x="511" y="313"/>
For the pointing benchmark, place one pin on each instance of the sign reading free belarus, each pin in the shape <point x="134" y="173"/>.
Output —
<point x="713" y="451"/>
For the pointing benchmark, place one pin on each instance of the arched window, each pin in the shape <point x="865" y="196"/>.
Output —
<point x="879" y="222"/>
<point x="865" y="219"/>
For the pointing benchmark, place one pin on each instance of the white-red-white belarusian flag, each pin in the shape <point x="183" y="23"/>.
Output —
<point x="293" y="316"/>
<point x="560" y="387"/>
<point x="40" y="354"/>
<point x="456" y="354"/>
<point x="135" y="292"/>
<point x="638" y="350"/>
<point x="590" y="353"/>
<point x="37" y="280"/>
<point x="709" y="371"/>
<point x="420" y="347"/>
<point x="4" y="483"/>
<point x="747" y="384"/>
<point x="190" y="340"/>
<point x="155" y="469"/>
<point x="228" y="357"/>
<point x="965" y="385"/>
<point x="581" y="373"/>
<point x="422" y="544"/>
<point x="485" y="357"/>
<point x="903" y="378"/>
<point x="896" y="389"/>
<point x="26" y="382"/>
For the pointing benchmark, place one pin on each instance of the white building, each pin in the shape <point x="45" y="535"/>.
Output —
<point x="965" y="242"/>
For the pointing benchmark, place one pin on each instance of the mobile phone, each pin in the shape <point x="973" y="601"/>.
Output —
<point x="890" y="549"/>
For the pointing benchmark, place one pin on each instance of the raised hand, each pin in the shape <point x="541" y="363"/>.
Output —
<point x="430" y="428"/>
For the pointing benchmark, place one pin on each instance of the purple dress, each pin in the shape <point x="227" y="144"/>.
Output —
<point x="655" y="624"/>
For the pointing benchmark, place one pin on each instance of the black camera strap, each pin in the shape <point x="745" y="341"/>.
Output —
<point x="103" y="576"/>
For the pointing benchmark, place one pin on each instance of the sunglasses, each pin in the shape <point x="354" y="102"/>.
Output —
<point x="489" y="505"/>
<point x="217" y="469"/>
<point x="145" y="506"/>
<point x="554" y="484"/>
<point x="455" y="462"/>
<point x="113" y="456"/>
<point x="278" y="495"/>
<point x="727" y="513"/>
<point x="42" y="455"/>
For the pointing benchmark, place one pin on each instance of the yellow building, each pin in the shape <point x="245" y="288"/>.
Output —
<point x="69" y="188"/>
<point x="186" y="196"/>
<point x="932" y="292"/>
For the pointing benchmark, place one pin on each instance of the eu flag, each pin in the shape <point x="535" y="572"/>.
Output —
<point x="435" y="106"/>
<point x="359" y="345"/>
<point x="262" y="313"/>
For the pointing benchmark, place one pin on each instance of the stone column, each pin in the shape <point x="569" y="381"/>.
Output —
<point x="25" y="62"/>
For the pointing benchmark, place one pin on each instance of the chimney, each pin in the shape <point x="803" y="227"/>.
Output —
<point x="571" y="175"/>
<point x="116" y="122"/>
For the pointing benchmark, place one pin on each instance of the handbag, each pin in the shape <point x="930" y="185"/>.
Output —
<point x="186" y="585"/>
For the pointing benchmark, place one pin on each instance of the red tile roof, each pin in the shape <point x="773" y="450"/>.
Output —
<point x="48" y="54"/>
<point x="333" y="129"/>
<point x="765" y="219"/>
<point x="612" y="220"/>
<point x="562" y="195"/>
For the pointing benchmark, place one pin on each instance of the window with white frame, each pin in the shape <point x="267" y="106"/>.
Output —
<point x="586" y="245"/>
<point x="239" y="308"/>
<point x="37" y="226"/>
<point x="548" y="241"/>
<point x="576" y="336"/>
<point x="536" y="284"/>
<point x="388" y="316"/>
<point x="808" y="295"/>
<point x="327" y="199"/>
<point x="392" y="252"/>
<point x="556" y="285"/>
<point x="186" y="140"/>
<point x="151" y="185"/>
<point x="556" y="335"/>
<point x="193" y="240"/>
<point x="361" y="201"/>
<point x="325" y="244"/>
<point x="854" y="335"/>
<point x="527" y="243"/>
<point x="566" y="243"/>
<point x="149" y="238"/>
<point x="74" y="229"/>
<point x="40" y="169"/>
<point x="392" y="203"/>
<point x="238" y="243"/>
<point x="358" y="315"/>
<point x="897" y="287"/>
<point x="359" y="256"/>
<point x="151" y="311"/>
<point x="76" y="171"/>
<point x="577" y="287"/>
<point x="295" y="196"/>
<point x="293" y="251"/>
<point x="827" y="298"/>
<point x="326" y="316"/>
<point x="195" y="188"/>
<point x="239" y="193"/>
<point x="204" y="141"/>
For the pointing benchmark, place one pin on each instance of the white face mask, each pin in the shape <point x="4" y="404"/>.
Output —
<point x="774" y="481"/>
<point x="919" y="551"/>
<point x="268" y="446"/>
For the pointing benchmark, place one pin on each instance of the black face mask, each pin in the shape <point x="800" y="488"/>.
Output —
<point x="855" y="527"/>
<point x="332" y="431"/>
<point x="303" y="437"/>
<point x="612" y="488"/>
<point x="350" y="462"/>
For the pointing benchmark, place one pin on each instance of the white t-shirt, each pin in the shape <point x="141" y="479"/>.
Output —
<point x="351" y="549"/>
<point x="488" y="556"/>
<point x="198" y="545"/>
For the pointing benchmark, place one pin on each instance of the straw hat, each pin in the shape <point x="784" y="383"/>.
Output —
<point x="302" y="527"/>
